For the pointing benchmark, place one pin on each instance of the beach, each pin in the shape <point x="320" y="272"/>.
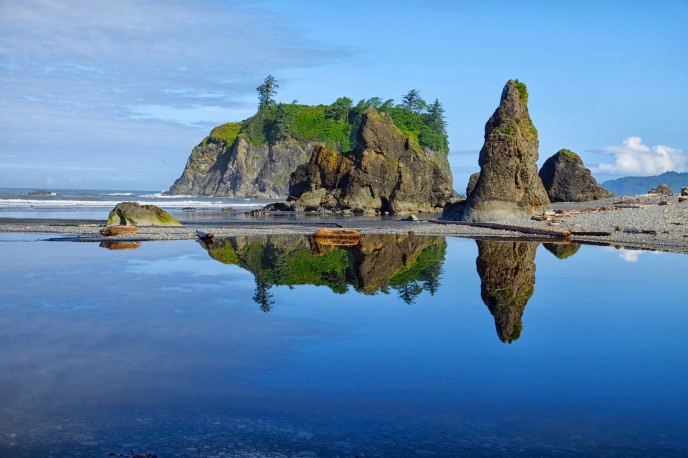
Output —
<point x="646" y="222"/>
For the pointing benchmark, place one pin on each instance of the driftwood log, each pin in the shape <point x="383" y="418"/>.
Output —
<point x="117" y="230"/>
<point x="509" y="227"/>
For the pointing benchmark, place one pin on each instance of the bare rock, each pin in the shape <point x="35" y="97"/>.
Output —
<point x="566" y="179"/>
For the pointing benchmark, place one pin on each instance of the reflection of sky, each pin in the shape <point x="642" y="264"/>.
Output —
<point x="85" y="332"/>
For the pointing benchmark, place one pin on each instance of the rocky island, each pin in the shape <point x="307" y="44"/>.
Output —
<point x="388" y="157"/>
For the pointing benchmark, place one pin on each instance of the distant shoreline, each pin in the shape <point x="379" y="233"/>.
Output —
<point x="634" y="222"/>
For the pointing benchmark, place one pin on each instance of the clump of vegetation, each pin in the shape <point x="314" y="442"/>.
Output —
<point x="522" y="91"/>
<point x="570" y="154"/>
<point x="337" y="124"/>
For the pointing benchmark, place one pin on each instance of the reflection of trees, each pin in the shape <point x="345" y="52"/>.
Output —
<point x="507" y="273"/>
<point x="406" y="263"/>
<point x="263" y="297"/>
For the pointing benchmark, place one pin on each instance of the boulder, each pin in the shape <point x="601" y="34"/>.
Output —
<point x="566" y="179"/>
<point x="387" y="172"/>
<point x="472" y="181"/>
<point x="662" y="189"/>
<point x="509" y="185"/>
<point x="135" y="214"/>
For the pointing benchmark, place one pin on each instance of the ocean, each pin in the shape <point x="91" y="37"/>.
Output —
<point x="91" y="204"/>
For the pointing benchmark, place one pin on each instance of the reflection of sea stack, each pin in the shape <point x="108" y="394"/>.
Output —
<point x="562" y="250"/>
<point x="507" y="272"/>
<point x="508" y="186"/>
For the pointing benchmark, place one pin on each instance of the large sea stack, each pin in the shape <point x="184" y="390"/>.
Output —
<point x="386" y="172"/>
<point x="566" y="179"/>
<point x="508" y="186"/>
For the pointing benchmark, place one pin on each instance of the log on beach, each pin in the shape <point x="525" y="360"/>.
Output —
<point x="117" y="230"/>
<point x="509" y="227"/>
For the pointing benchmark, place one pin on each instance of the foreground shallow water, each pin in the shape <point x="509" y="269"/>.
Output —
<point x="400" y="346"/>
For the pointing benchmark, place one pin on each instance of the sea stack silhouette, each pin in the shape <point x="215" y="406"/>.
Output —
<point x="508" y="186"/>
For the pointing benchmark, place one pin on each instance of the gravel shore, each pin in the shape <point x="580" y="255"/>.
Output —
<point x="641" y="222"/>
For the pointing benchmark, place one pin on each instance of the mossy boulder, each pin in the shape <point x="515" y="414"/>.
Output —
<point x="663" y="190"/>
<point x="566" y="179"/>
<point x="135" y="214"/>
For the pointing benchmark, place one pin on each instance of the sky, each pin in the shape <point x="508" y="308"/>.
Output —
<point x="114" y="95"/>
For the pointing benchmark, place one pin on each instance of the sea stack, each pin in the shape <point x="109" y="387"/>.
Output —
<point x="387" y="172"/>
<point x="566" y="179"/>
<point x="508" y="186"/>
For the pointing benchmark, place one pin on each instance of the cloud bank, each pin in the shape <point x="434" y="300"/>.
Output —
<point x="635" y="158"/>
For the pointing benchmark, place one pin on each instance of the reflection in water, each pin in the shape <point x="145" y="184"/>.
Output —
<point x="408" y="264"/>
<point x="562" y="250"/>
<point x="507" y="272"/>
<point x="120" y="245"/>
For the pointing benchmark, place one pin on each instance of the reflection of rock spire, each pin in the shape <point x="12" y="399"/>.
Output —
<point x="507" y="272"/>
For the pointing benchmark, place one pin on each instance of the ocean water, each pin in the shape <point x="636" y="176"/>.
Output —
<point x="89" y="204"/>
<point x="400" y="346"/>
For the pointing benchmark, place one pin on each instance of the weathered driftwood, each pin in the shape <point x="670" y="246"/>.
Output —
<point x="510" y="227"/>
<point x="117" y="230"/>
<point x="591" y="233"/>
<point x="549" y="216"/>
<point x="633" y="230"/>
<point x="339" y="237"/>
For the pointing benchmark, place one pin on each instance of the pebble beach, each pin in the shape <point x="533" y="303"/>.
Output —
<point x="648" y="222"/>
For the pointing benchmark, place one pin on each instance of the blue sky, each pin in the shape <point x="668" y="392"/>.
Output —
<point x="114" y="95"/>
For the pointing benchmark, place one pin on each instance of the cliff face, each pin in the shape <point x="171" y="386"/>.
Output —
<point x="508" y="186"/>
<point x="386" y="172"/>
<point x="566" y="179"/>
<point x="216" y="168"/>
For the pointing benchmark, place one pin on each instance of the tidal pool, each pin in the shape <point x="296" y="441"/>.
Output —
<point x="399" y="346"/>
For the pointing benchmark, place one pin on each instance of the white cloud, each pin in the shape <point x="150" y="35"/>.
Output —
<point x="635" y="158"/>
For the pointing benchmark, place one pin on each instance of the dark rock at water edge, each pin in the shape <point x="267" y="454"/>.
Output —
<point x="386" y="172"/>
<point x="566" y="179"/>
<point x="509" y="185"/>
<point x="41" y="192"/>
<point x="135" y="214"/>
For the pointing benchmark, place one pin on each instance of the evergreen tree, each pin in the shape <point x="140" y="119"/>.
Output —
<point x="435" y="117"/>
<point x="413" y="102"/>
<point x="266" y="92"/>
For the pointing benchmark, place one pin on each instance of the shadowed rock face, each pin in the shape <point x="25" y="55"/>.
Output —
<point x="508" y="186"/>
<point x="386" y="172"/>
<point x="507" y="273"/>
<point x="566" y="179"/>
<point x="240" y="169"/>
